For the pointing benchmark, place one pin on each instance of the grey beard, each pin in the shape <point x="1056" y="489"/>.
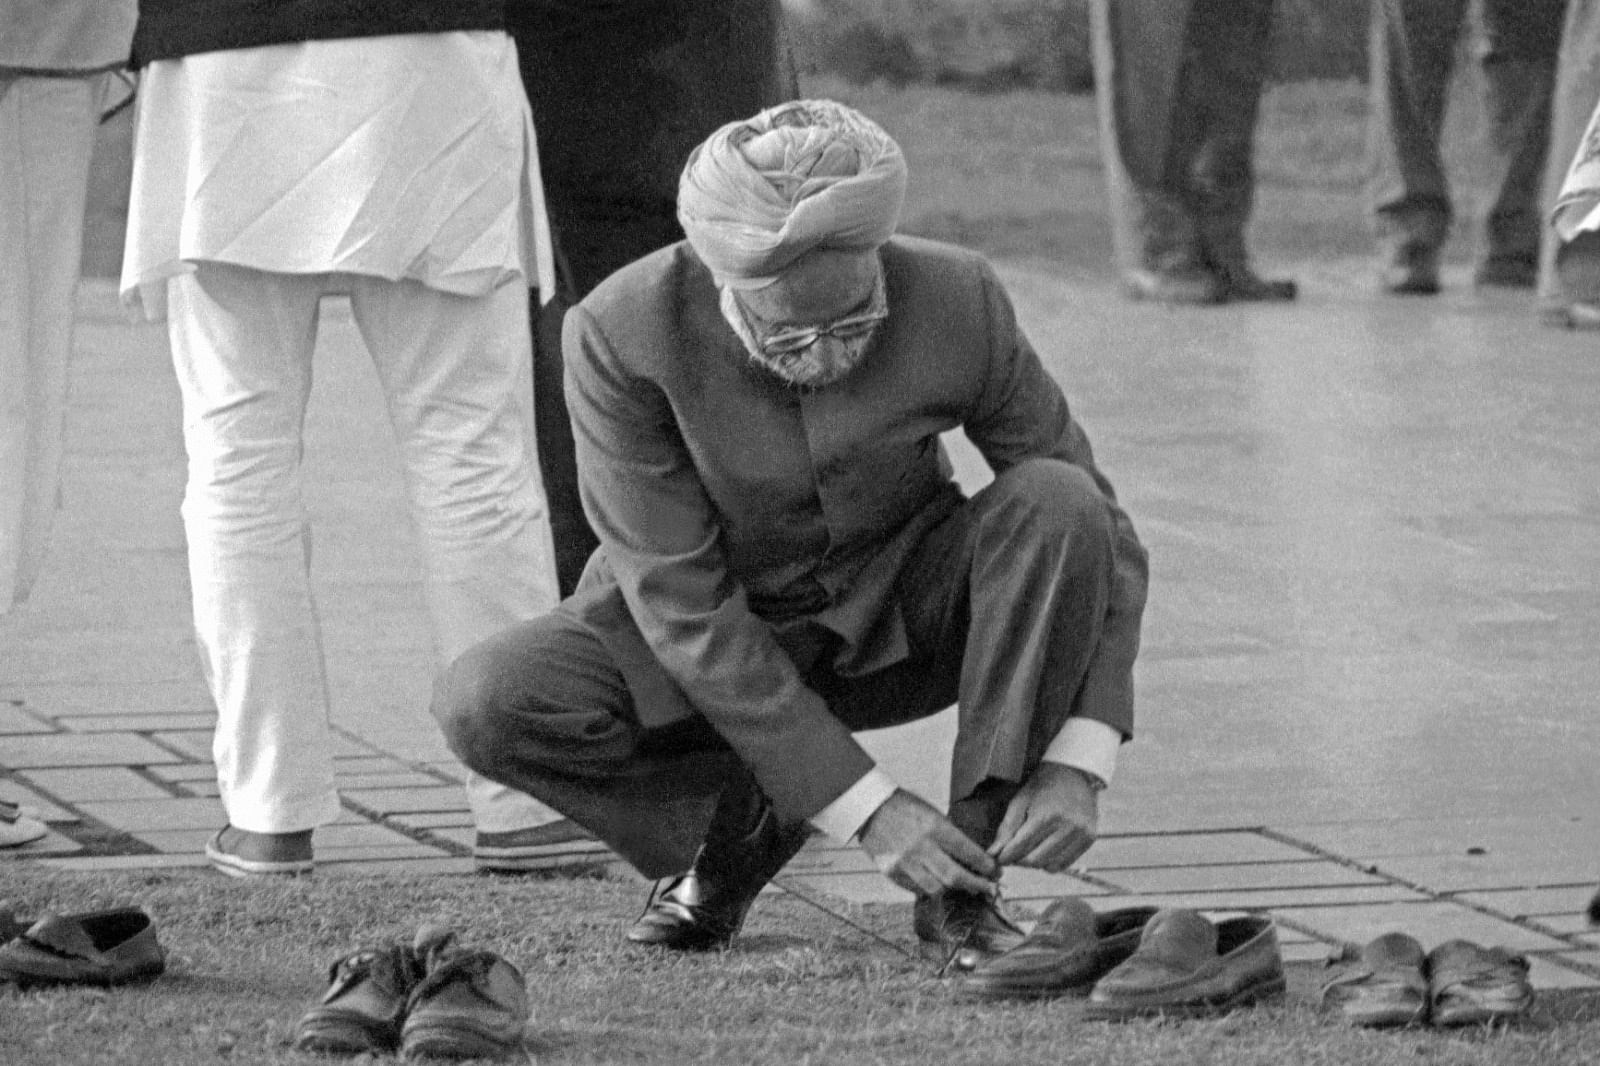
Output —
<point x="818" y="366"/>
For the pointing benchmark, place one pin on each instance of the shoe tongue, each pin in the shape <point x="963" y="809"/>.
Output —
<point x="63" y="936"/>
<point x="1070" y="921"/>
<point x="1179" y="936"/>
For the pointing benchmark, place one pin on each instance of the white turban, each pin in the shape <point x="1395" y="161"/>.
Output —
<point x="761" y="193"/>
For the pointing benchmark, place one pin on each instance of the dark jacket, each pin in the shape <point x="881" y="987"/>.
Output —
<point x="732" y="510"/>
<point x="170" y="29"/>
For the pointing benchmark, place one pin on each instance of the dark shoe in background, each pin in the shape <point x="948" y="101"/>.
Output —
<point x="559" y="847"/>
<point x="1507" y="272"/>
<point x="1381" y="985"/>
<point x="1594" y="908"/>
<point x="364" y="1006"/>
<point x="745" y="848"/>
<point x="109" y="947"/>
<point x="468" y="1004"/>
<point x="242" y="853"/>
<point x="1469" y="984"/>
<point x="1242" y="284"/>
<point x="965" y="930"/>
<point x="1065" y="953"/>
<point x="1411" y="270"/>
<point x="1186" y="966"/>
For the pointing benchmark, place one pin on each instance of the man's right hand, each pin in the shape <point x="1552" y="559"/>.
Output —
<point x="921" y="850"/>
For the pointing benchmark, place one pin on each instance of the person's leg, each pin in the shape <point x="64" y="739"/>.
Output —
<point x="455" y="372"/>
<point x="1576" y="91"/>
<point x="1225" y="66"/>
<point x="1522" y="39"/>
<point x="241" y="345"/>
<point x="46" y="137"/>
<point x="1412" y="54"/>
<point x="1138" y="52"/>
<point x="542" y="707"/>
<point x="1004" y="604"/>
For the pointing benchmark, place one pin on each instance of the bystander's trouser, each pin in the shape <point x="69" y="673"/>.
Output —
<point x="55" y="62"/>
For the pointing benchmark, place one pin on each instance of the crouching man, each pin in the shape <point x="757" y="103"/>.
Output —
<point x="784" y="559"/>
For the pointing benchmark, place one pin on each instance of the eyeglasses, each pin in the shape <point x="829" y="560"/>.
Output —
<point x="797" y="339"/>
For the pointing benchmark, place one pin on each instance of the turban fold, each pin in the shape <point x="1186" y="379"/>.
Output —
<point x="760" y="193"/>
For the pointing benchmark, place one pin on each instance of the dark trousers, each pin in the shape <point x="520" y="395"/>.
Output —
<point x="1179" y="86"/>
<point x="1003" y="604"/>
<point x="621" y="93"/>
<point x="1413" y="52"/>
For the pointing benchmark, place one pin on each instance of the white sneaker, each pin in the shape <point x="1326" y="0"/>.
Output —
<point x="16" y="827"/>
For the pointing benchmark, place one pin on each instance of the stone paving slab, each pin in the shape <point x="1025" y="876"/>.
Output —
<point x="14" y="791"/>
<point x="433" y="819"/>
<point x="29" y="751"/>
<point x="1113" y="852"/>
<point x="406" y="800"/>
<point x="1351" y="896"/>
<point x="1564" y="901"/>
<point x="1431" y="921"/>
<point x="97" y="783"/>
<point x="162" y="814"/>
<point x="137" y="723"/>
<point x="14" y="719"/>
<point x="1262" y="875"/>
<point x="1475" y="873"/>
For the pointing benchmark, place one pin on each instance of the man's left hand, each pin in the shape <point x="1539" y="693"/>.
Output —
<point x="1050" y="822"/>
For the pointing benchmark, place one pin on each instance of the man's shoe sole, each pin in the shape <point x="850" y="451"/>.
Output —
<point x="344" y="1034"/>
<point x="1266" y="988"/>
<point x="456" y="1040"/>
<point x="236" y="866"/>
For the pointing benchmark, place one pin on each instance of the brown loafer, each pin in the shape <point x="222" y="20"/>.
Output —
<point x="110" y="947"/>
<point x="1469" y="984"/>
<point x="965" y="930"/>
<point x="1185" y="966"/>
<point x="1065" y="953"/>
<point x="1383" y="986"/>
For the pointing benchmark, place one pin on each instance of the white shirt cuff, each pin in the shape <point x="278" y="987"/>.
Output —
<point x="1087" y="744"/>
<point x="843" y="818"/>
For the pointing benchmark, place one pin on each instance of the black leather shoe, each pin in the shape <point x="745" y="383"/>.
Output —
<point x="1065" y="953"/>
<point x="1243" y="284"/>
<point x="703" y="909"/>
<point x="966" y="930"/>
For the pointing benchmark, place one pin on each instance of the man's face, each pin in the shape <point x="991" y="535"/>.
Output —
<point x="814" y="324"/>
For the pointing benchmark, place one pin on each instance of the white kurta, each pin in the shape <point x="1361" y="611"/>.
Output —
<point x="402" y="157"/>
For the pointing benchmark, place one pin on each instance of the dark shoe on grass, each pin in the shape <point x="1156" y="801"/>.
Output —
<point x="469" y="1004"/>
<point x="364" y="1005"/>
<point x="1186" y="966"/>
<point x="965" y="930"/>
<point x="1469" y="984"/>
<point x="703" y="910"/>
<point x="1594" y="908"/>
<point x="1381" y="986"/>
<point x="109" y="947"/>
<point x="241" y="853"/>
<point x="559" y="847"/>
<point x="1065" y="953"/>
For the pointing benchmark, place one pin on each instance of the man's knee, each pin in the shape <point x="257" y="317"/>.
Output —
<point x="1054" y="499"/>
<point x="469" y="701"/>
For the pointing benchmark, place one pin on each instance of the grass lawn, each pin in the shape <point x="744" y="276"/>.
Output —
<point x="245" y="960"/>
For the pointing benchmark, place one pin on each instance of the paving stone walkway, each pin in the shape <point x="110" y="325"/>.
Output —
<point x="1367" y="694"/>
